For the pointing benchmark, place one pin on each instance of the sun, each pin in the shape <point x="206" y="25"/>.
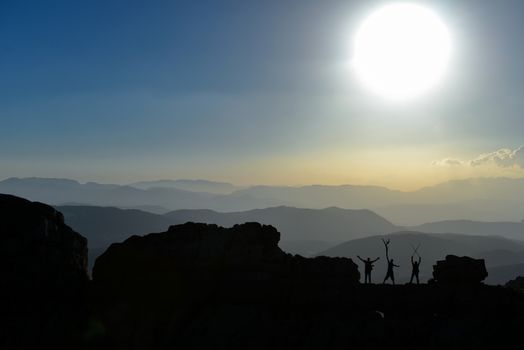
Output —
<point x="401" y="51"/>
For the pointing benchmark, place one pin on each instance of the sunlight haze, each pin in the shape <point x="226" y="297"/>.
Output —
<point x="275" y="105"/>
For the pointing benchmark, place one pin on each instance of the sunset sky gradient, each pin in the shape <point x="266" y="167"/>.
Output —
<point x="251" y="92"/>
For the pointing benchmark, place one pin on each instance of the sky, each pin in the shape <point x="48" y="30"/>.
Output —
<point x="250" y="92"/>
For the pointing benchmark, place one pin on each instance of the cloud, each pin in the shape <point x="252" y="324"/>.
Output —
<point x="448" y="162"/>
<point x="504" y="158"/>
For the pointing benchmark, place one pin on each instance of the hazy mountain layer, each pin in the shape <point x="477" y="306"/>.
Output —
<point x="503" y="274"/>
<point x="514" y="230"/>
<point x="478" y="210"/>
<point x="330" y="224"/>
<point x="63" y="191"/>
<point x="189" y="185"/>
<point x="488" y="199"/>
<point x="303" y="231"/>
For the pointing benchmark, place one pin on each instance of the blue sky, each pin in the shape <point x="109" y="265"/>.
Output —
<point x="244" y="91"/>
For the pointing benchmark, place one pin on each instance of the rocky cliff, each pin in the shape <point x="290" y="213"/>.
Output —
<point x="43" y="274"/>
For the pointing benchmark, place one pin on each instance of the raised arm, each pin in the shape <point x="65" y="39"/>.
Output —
<point x="377" y="259"/>
<point x="386" y="245"/>
<point x="419" y="259"/>
<point x="361" y="258"/>
<point x="412" y="260"/>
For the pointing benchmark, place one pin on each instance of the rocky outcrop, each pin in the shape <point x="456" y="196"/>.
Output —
<point x="196" y="271"/>
<point x="242" y="260"/>
<point x="459" y="270"/>
<point x="43" y="274"/>
<point x="200" y="286"/>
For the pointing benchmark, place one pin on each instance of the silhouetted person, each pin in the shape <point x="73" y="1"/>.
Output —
<point x="391" y="264"/>
<point x="390" y="274"/>
<point x="368" y="267"/>
<point x="415" y="268"/>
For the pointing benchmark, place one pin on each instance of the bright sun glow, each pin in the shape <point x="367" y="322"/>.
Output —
<point x="401" y="51"/>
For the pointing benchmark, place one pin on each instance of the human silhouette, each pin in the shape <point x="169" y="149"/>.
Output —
<point x="368" y="267"/>
<point x="391" y="264"/>
<point x="390" y="274"/>
<point x="415" y="265"/>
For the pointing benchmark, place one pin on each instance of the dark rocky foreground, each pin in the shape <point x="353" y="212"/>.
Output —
<point x="200" y="286"/>
<point x="43" y="276"/>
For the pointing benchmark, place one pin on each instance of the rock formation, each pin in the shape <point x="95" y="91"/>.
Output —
<point x="195" y="271"/>
<point x="200" y="286"/>
<point x="236" y="262"/>
<point x="459" y="270"/>
<point x="43" y="274"/>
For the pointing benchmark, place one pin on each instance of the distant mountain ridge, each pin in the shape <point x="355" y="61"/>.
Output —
<point x="487" y="199"/>
<point x="189" y="185"/>
<point x="475" y="210"/>
<point x="303" y="231"/>
<point x="329" y="224"/>
<point x="513" y="230"/>
<point x="60" y="191"/>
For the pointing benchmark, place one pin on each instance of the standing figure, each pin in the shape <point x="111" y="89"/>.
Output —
<point x="415" y="265"/>
<point x="390" y="274"/>
<point x="391" y="264"/>
<point x="368" y="267"/>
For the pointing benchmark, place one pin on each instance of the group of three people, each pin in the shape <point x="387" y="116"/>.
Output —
<point x="368" y="267"/>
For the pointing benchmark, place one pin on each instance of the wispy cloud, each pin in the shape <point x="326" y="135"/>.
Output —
<point x="448" y="162"/>
<point x="504" y="158"/>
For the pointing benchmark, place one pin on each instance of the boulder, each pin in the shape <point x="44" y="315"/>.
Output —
<point x="459" y="270"/>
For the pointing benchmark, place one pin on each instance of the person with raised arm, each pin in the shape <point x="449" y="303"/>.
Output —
<point x="391" y="264"/>
<point x="415" y="268"/>
<point x="368" y="267"/>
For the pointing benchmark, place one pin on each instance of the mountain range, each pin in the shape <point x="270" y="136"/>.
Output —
<point x="189" y="185"/>
<point x="511" y="230"/>
<point x="303" y="231"/>
<point x="482" y="199"/>
<point x="108" y="213"/>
